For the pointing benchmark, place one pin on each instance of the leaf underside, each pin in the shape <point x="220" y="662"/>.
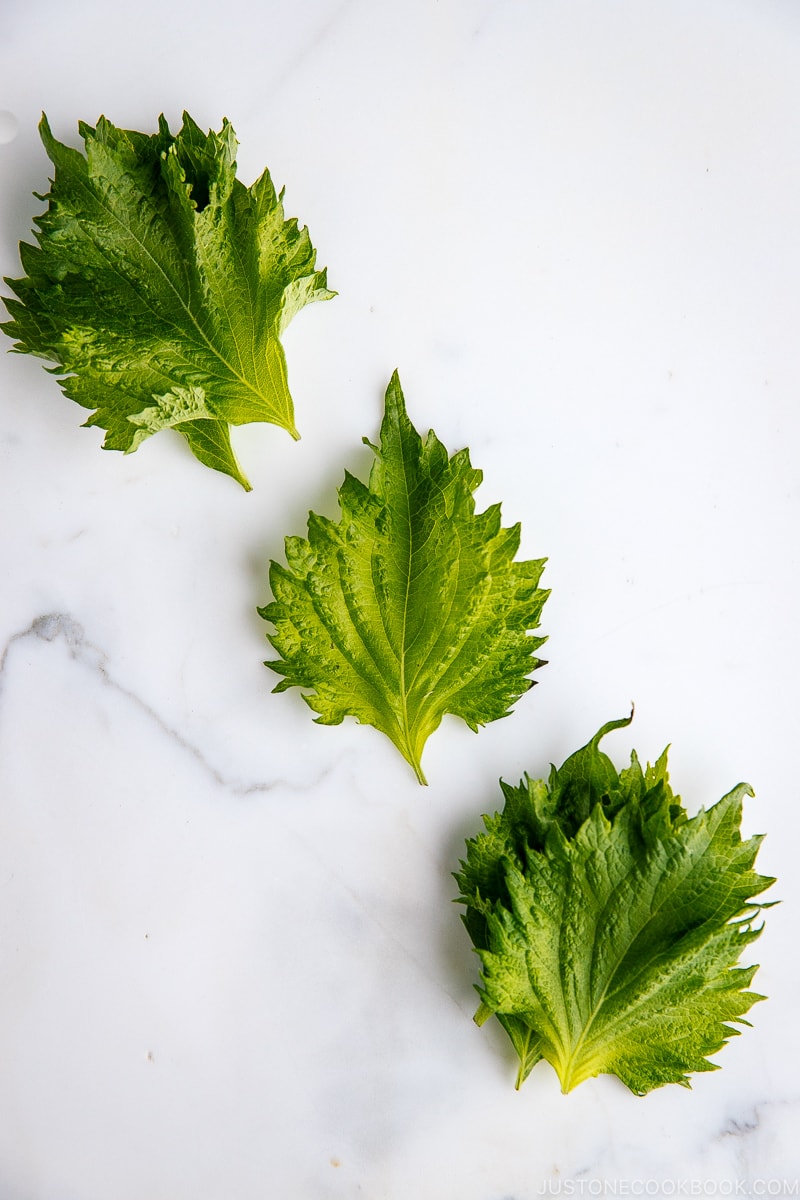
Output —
<point x="160" y="286"/>
<point x="411" y="605"/>
<point x="609" y="924"/>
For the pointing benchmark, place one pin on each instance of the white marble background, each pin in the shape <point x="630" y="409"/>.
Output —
<point x="230" y="968"/>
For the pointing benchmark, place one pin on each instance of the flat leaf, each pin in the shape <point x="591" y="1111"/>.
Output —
<point x="411" y="606"/>
<point x="160" y="286"/>
<point x="609" y="923"/>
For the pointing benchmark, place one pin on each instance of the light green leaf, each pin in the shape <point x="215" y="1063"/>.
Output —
<point x="160" y="286"/>
<point x="609" y="923"/>
<point x="411" y="606"/>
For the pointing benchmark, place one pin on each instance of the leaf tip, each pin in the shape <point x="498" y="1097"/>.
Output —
<point x="620" y="723"/>
<point x="394" y="399"/>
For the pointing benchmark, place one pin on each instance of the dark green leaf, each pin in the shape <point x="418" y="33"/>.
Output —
<point x="609" y="923"/>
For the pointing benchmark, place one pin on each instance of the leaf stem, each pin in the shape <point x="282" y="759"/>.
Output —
<point x="414" y="757"/>
<point x="410" y="744"/>
<point x="420" y="774"/>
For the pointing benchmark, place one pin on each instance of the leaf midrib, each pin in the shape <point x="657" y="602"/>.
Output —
<point x="404" y="620"/>
<point x="424" y="710"/>
<point x="202" y="338"/>
<point x="691" y="863"/>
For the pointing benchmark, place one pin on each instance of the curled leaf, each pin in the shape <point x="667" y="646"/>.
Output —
<point x="609" y="924"/>
<point x="160" y="286"/>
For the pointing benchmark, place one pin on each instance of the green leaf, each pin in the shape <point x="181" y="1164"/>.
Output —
<point x="160" y="286"/>
<point x="411" y="606"/>
<point x="609" y="923"/>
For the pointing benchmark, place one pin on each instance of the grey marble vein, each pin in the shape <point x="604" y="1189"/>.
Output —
<point x="51" y="627"/>
<point x="58" y="626"/>
<point x="752" y="1120"/>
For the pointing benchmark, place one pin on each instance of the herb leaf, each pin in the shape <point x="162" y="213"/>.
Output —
<point x="160" y="287"/>
<point x="609" y="923"/>
<point x="411" y="605"/>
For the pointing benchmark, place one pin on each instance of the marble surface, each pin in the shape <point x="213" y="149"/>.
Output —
<point x="230" y="968"/>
